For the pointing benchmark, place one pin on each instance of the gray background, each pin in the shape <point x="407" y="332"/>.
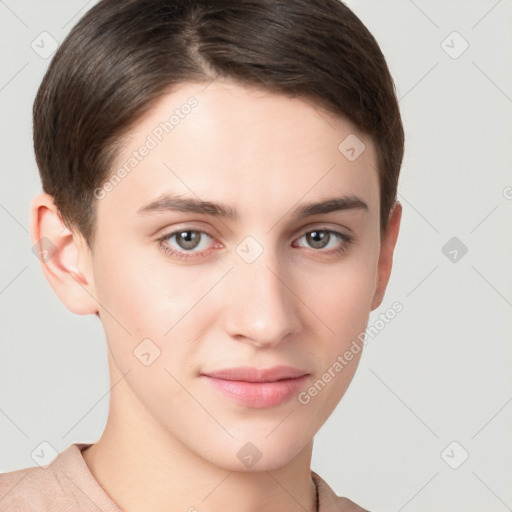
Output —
<point x="438" y="373"/>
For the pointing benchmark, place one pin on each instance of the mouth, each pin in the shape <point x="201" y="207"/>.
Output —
<point x="256" y="388"/>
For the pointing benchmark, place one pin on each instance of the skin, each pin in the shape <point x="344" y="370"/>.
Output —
<point x="264" y="155"/>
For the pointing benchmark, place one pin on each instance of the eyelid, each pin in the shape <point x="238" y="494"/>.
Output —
<point x="201" y="227"/>
<point x="321" y="226"/>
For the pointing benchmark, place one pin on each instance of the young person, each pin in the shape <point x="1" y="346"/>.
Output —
<point x="220" y="190"/>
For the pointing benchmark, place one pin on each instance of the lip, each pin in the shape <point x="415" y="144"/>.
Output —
<point x="258" y="388"/>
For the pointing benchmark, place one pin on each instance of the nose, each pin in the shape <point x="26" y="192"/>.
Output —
<point x="262" y="305"/>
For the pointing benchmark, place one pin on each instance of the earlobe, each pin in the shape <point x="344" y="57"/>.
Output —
<point x="386" y="254"/>
<point x="64" y="257"/>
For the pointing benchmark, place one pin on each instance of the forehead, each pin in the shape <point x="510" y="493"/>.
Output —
<point x="244" y="146"/>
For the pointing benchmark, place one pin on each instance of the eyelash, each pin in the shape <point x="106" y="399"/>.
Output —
<point x="347" y="240"/>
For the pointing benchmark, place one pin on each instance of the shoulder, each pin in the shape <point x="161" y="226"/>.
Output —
<point x="328" y="501"/>
<point x="27" y="489"/>
<point x="64" y="484"/>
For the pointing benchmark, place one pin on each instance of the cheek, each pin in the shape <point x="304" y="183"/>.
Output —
<point x="139" y="289"/>
<point x="343" y="301"/>
<point x="143" y="296"/>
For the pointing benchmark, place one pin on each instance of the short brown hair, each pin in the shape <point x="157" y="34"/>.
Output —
<point x="125" y="54"/>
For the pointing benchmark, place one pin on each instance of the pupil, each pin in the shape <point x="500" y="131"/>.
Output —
<point x="189" y="239"/>
<point x="319" y="237"/>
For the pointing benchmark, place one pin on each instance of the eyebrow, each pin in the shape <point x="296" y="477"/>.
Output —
<point x="170" y="203"/>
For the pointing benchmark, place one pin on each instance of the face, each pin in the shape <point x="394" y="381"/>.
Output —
<point x="261" y="281"/>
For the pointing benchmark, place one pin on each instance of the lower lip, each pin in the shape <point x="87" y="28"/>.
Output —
<point x="259" y="394"/>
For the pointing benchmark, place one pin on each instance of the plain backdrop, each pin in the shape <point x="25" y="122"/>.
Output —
<point x="426" y="423"/>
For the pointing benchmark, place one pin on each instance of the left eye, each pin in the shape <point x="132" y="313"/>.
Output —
<point x="320" y="238"/>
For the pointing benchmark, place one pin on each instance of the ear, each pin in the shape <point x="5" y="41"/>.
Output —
<point x="64" y="256"/>
<point x="386" y="254"/>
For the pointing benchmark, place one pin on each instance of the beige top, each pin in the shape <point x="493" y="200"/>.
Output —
<point x="68" y="485"/>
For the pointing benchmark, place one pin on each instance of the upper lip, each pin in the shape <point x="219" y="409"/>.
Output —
<point x="251" y="374"/>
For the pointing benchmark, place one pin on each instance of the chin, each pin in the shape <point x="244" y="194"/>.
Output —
<point x="257" y="455"/>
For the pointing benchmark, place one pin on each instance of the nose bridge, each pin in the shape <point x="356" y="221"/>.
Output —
<point x="261" y="307"/>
